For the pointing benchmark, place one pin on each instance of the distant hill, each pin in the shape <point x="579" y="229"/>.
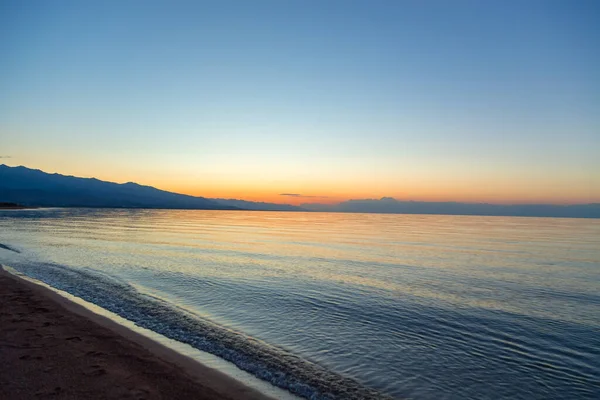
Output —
<point x="10" y="206"/>
<point x="35" y="188"/>
<point x="258" y="205"/>
<point x="32" y="187"/>
<point x="392" y="206"/>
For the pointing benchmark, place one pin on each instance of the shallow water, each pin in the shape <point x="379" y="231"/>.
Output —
<point x="342" y="305"/>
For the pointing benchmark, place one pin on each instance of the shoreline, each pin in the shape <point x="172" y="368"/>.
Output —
<point x="52" y="346"/>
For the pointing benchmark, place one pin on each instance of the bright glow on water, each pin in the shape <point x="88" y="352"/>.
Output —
<point x="426" y="307"/>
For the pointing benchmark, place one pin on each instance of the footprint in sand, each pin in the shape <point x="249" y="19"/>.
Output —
<point x="139" y="394"/>
<point x="55" y="392"/>
<point x="15" y="320"/>
<point x="94" y="353"/>
<point x="95" y="370"/>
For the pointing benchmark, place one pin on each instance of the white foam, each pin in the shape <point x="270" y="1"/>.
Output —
<point x="200" y="356"/>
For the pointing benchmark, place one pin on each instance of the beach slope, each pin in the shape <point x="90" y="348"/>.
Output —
<point x="53" y="348"/>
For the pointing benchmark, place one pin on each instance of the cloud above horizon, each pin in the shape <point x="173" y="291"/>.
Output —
<point x="5" y="156"/>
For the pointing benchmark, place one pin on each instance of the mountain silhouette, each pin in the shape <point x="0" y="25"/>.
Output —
<point x="258" y="205"/>
<point x="32" y="187"/>
<point x="389" y="205"/>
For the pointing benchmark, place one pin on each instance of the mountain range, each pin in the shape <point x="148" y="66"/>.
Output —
<point x="389" y="205"/>
<point x="32" y="187"/>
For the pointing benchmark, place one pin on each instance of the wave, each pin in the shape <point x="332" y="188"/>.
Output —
<point x="274" y="365"/>
<point x="5" y="247"/>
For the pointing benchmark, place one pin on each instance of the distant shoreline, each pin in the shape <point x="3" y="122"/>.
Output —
<point x="306" y="211"/>
<point x="13" y="206"/>
<point x="22" y="185"/>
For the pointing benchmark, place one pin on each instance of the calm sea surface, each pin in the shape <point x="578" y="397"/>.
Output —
<point x="342" y="305"/>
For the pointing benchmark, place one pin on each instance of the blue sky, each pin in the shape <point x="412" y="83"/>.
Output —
<point x="464" y="100"/>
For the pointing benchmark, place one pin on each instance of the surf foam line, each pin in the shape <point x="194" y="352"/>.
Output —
<point x="5" y="247"/>
<point x="269" y="363"/>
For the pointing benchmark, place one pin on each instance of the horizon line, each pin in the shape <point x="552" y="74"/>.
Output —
<point x="345" y="199"/>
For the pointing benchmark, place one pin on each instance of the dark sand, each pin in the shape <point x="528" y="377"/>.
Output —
<point x="53" y="348"/>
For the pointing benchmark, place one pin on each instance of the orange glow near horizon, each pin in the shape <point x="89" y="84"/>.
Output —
<point x="251" y="103"/>
<point x="325" y="189"/>
<point x="324" y="196"/>
<point x="501" y="191"/>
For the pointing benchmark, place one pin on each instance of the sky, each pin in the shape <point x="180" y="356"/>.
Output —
<point x="477" y="101"/>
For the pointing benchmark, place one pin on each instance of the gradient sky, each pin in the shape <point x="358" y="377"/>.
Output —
<point x="494" y="101"/>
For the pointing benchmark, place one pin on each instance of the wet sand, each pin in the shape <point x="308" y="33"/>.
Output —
<point x="53" y="348"/>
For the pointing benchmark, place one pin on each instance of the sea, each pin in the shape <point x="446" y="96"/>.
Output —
<point x="341" y="306"/>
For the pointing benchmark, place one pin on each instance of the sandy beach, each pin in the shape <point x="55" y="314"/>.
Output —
<point x="53" y="348"/>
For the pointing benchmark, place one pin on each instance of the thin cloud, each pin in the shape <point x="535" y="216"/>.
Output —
<point x="301" y="195"/>
<point x="5" y="156"/>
